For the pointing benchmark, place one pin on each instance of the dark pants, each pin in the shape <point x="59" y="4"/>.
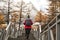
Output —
<point x="27" y="32"/>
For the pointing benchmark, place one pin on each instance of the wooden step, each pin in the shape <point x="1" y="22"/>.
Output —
<point x="23" y="37"/>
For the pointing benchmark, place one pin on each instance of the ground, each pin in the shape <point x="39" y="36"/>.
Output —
<point x="23" y="37"/>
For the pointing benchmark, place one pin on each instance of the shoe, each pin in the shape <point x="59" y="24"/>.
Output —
<point x="28" y="39"/>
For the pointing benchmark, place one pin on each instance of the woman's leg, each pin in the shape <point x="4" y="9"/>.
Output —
<point x="28" y="32"/>
<point x="25" y="32"/>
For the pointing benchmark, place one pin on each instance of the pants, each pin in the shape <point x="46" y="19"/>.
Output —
<point x="27" y="32"/>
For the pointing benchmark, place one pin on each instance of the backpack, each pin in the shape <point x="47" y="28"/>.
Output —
<point x="28" y="22"/>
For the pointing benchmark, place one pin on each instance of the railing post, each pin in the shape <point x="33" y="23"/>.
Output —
<point x="49" y="37"/>
<point x="52" y="37"/>
<point x="40" y="36"/>
<point x="43" y="36"/>
<point x="38" y="32"/>
<point x="7" y="31"/>
<point x="1" y="34"/>
<point x="57" y="30"/>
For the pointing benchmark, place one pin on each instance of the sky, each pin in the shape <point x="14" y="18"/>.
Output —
<point x="39" y="4"/>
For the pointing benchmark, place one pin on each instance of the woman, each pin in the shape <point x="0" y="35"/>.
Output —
<point x="28" y="22"/>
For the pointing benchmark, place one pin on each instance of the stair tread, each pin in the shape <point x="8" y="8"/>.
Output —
<point x="31" y="37"/>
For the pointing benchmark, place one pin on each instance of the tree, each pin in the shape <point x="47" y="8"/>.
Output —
<point x="41" y="18"/>
<point x="1" y="18"/>
<point x="52" y="10"/>
<point x="38" y="17"/>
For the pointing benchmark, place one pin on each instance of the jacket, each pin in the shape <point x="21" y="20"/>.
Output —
<point x="27" y="27"/>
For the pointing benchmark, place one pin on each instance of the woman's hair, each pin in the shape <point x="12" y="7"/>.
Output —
<point x="28" y="16"/>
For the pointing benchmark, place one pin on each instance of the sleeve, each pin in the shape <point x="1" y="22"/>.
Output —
<point x="24" y="22"/>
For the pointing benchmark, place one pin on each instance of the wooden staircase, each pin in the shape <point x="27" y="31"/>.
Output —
<point x="23" y="37"/>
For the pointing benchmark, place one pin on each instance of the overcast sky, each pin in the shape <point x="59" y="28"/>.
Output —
<point x="40" y="4"/>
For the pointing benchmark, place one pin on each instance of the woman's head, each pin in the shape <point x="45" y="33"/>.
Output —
<point x="28" y="16"/>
